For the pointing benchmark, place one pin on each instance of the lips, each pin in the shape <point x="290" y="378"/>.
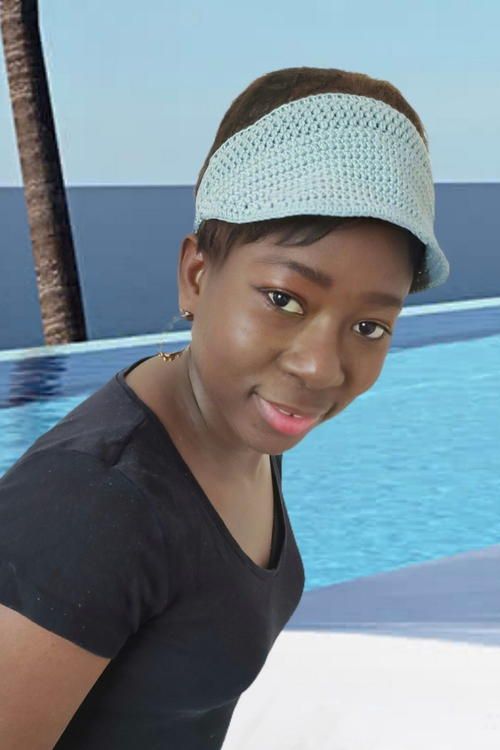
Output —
<point x="296" y="411"/>
<point x="283" y="423"/>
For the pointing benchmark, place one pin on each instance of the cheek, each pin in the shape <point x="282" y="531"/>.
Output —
<point x="229" y="348"/>
<point x="239" y="332"/>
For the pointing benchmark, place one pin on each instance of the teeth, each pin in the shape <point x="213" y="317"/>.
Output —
<point x="289" y="414"/>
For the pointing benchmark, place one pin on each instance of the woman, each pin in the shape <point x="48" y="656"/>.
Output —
<point x="147" y="558"/>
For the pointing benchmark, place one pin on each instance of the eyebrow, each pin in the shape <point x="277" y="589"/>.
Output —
<point x="326" y="282"/>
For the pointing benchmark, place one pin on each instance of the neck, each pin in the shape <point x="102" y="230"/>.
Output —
<point x="200" y="432"/>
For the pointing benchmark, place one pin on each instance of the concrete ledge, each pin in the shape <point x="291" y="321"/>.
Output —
<point x="452" y="598"/>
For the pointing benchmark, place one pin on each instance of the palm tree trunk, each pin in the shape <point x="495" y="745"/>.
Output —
<point x="53" y="251"/>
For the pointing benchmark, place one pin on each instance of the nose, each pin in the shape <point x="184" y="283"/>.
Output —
<point x="316" y="361"/>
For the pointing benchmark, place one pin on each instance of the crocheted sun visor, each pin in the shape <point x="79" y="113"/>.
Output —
<point x="330" y="155"/>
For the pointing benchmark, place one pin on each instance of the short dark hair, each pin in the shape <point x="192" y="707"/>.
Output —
<point x="217" y="238"/>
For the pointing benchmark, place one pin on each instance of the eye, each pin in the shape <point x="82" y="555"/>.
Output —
<point x="385" y="331"/>
<point x="282" y="300"/>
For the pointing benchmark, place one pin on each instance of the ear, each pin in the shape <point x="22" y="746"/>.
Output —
<point x="190" y="272"/>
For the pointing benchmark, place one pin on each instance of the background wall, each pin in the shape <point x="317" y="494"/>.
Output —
<point x="128" y="240"/>
<point x="139" y="90"/>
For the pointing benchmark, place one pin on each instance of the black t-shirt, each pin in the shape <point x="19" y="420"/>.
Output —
<point x="107" y="539"/>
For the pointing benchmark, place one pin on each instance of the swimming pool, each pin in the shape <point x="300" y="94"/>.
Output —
<point x="409" y="472"/>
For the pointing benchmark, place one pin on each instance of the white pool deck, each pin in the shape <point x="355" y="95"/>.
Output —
<point x="338" y="691"/>
<point x="404" y="660"/>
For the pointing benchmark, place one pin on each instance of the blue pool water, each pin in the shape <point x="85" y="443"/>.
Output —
<point x="408" y="472"/>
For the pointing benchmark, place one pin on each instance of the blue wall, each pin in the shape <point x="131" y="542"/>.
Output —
<point x="128" y="240"/>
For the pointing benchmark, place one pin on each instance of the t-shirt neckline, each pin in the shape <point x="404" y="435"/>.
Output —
<point x="264" y="573"/>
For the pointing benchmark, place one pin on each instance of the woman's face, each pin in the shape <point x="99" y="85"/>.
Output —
<point x="304" y="327"/>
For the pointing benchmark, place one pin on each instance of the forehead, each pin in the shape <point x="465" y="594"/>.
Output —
<point x="371" y="240"/>
<point x="362" y="256"/>
<point x="353" y="232"/>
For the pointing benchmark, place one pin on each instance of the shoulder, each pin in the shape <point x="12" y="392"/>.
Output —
<point x="77" y="486"/>
<point x="81" y="549"/>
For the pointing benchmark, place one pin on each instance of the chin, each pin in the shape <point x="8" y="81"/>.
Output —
<point x="278" y="443"/>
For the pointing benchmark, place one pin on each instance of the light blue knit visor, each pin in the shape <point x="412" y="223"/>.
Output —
<point x="329" y="155"/>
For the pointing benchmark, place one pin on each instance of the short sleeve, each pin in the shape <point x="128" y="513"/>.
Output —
<point x="81" y="550"/>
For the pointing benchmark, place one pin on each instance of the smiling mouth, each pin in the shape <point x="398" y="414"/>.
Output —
<point x="285" y="423"/>
<point x="292" y="411"/>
